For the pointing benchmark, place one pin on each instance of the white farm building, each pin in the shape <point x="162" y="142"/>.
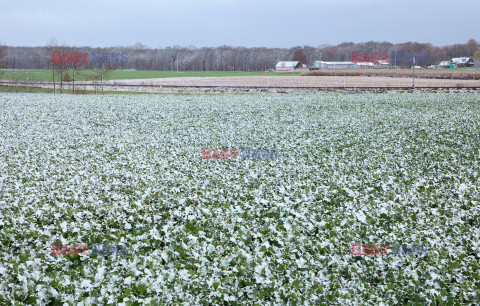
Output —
<point x="334" y="65"/>
<point x="463" y="61"/>
<point x="286" y="66"/>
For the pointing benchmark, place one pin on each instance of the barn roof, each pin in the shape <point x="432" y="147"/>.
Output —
<point x="335" y="63"/>
<point x="460" y="60"/>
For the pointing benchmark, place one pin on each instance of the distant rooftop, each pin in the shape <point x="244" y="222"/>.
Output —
<point x="460" y="60"/>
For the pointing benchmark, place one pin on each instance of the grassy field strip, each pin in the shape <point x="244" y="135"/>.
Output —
<point x="86" y="75"/>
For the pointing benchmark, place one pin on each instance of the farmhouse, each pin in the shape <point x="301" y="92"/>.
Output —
<point x="463" y="61"/>
<point x="286" y="65"/>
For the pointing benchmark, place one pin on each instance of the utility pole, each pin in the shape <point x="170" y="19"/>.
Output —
<point x="395" y="59"/>
<point x="53" y="79"/>
<point x="73" y="80"/>
<point x="414" y="73"/>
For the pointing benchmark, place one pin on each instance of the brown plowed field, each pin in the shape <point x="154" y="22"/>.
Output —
<point x="303" y="81"/>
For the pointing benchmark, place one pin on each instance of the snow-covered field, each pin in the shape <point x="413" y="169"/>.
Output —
<point x="127" y="170"/>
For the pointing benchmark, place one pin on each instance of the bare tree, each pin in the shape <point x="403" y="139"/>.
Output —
<point x="78" y="62"/>
<point x="57" y="59"/>
<point x="3" y="54"/>
<point x="3" y="62"/>
<point x="476" y="59"/>
<point x="103" y="64"/>
<point x="300" y="57"/>
<point x="472" y="46"/>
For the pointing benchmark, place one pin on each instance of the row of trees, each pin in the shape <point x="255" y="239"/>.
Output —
<point x="226" y="58"/>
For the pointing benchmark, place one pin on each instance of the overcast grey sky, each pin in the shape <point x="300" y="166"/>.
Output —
<point x="269" y="23"/>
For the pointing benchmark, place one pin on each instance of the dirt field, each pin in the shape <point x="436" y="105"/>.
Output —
<point x="455" y="74"/>
<point x="301" y="81"/>
<point x="240" y="84"/>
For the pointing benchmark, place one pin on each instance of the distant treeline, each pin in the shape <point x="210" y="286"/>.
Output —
<point x="224" y="58"/>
